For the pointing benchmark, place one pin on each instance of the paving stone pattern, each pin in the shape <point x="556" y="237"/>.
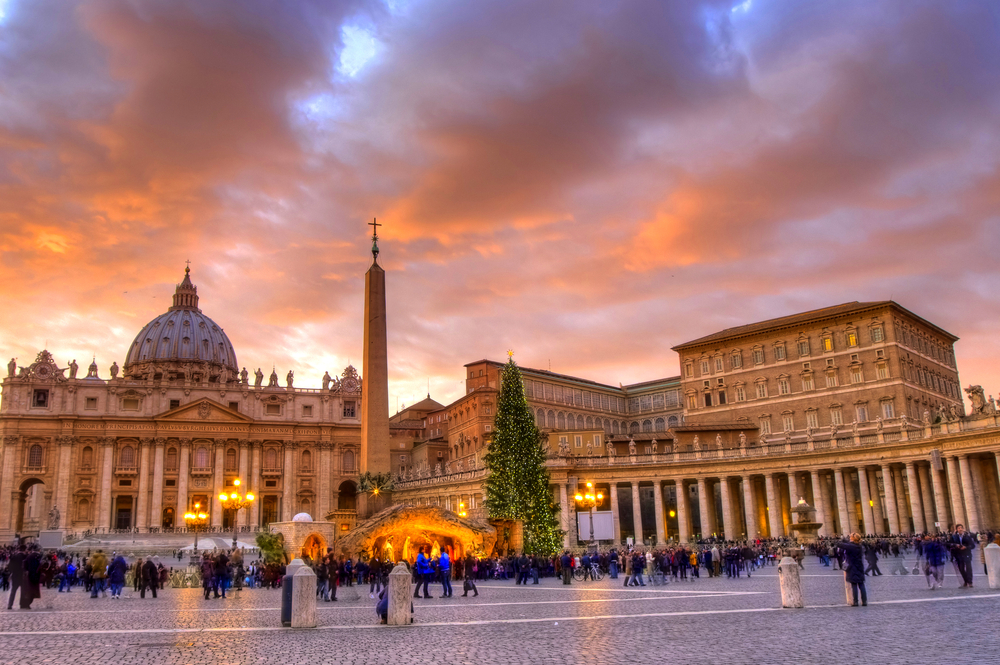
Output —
<point x="708" y="620"/>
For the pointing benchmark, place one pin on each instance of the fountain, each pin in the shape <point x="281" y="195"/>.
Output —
<point x="805" y="528"/>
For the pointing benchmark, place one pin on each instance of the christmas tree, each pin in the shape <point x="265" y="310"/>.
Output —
<point x="517" y="487"/>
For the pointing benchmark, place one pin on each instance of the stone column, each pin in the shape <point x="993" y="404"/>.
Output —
<point x="852" y="500"/>
<point x="902" y="509"/>
<point x="827" y="497"/>
<point x="877" y="512"/>
<point x="941" y="514"/>
<point x="703" y="508"/>
<point x="890" y="499"/>
<point x="183" y="474"/>
<point x="104" y="509"/>
<point x="156" y="502"/>
<point x="62" y="479"/>
<point x="142" y="503"/>
<point x="660" y="523"/>
<point x="728" y="523"/>
<point x="838" y="481"/>
<point x="325" y="451"/>
<point x="955" y="489"/>
<point x="818" y="504"/>
<point x="564" y="513"/>
<point x="11" y="453"/>
<point x="255" y="482"/>
<point x="926" y="496"/>
<point x="794" y="494"/>
<point x="867" y="514"/>
<point x="636" y="512"/>
<point x="916" y="507"/>
<point x="243" y="516"/>
<point x="971" y="509"/>
<point x="773" y="507"/>
<point x="218" y="483"/>
<point x="683" y="515"/>
<point x="749" y="507"/>
<point x="615" y="518"/>
<point x="287" y="482"/>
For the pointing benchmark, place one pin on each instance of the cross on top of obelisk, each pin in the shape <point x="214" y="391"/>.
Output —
<point x="374" y="224"/>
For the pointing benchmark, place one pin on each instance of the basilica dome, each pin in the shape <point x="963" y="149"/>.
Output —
<point x="182" y="343"/>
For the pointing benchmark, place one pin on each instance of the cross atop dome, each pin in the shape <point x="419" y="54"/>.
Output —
<point x="186" y="295"/>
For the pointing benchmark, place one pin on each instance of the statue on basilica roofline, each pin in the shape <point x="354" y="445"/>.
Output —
<point x="326" y="380"/>
<point x="289" y="378"/>
<point x="73" y="368"/>
<point x="258" y="378"/>
<point x="244" y="377"/>
<point x="114" y="370"/>
<point x="272" y="381"/>
<point x="224" y="375"/>
<point x="12" y="368"/>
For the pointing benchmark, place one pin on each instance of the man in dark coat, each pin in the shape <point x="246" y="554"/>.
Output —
<point x="855" y="573"/>
<point x="150" y="578"/>
<point x="962" y="545"/>
<point x="15" y="567"/>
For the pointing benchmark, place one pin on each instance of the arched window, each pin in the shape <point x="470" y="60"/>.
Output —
<point x="87" y="457"/>
<point x="83" y="510"/>
<point x="348" y="460"/>
<point x="660" y="425"/>
<point x="305" y="506"/>
<point x="647" y="426"/>
<point x="590" y="422"/>
<point x="201" y="457"/>
<point x="35" y="455"/>
<point x="270" y="458"/>
<point x="672" y="421"/>
<point x="172" y="459"/>
<point x="616" y="429"/>
<point x="550" y="420"/>
<point x="126" y="458"/>
<point x="231" y="459"/>
<point x="561" y="420"/>
<point x="633" y="428"/>
<point x="306" y="460"/>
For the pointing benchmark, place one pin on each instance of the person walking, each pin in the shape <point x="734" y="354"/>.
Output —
<point x="566" y="561"/>
<point x="98" y="573"/>
<point x="444" y="569"/>
<point x="962" y="545"/>
<point x="424" y="572"/>
<point x="150" y="578"/>
<point x="935" y="555"/>
<point x="872" y="556"/>
<point x="855" y="573"/>
<point x="471" y="570"/>
<point x="116" y="576"/>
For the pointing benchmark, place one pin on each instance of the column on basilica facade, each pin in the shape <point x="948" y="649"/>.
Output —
<point x="156" y="504"/>
<point x="888" y="482"/>
<point x="902" y="508"/>
<point x="794" y="494"/>
<point x="867" y="515"/>
<point x="636" y="512"/>
<point x="564" y="513"/>
<point x="62" y="478"/>
<point x="218" y="484"/>
<point x="704" y="511"/>
<point x="683" y="512"/>
<point x="243" y="516"/>
<point x="254" y="482"/>
<point x="107" y="460"/>
<point x="838" y="481"/>
<point x="773" y="506"/>
<point x="971" y="508"/>
<point x="142" y="503"/>
<point x="325" y="473"/>
<point x="916" y="507"/>
<point x="11" y="452"/>
<point x="852" y="501"/>
<point x="749" y="507"/>
<point x="658" y="509"/>
<point x="955" y="489"/>
<point x="819" y="504"/>
<point x="926" y="496"/>
<point x="877" y="513"/>
<point x="941" y="515"/>
<point x="728" y="521"/>
<point x="183" y="475"/>
<point x="288" y="483"/>
<point x="615" y="517"/>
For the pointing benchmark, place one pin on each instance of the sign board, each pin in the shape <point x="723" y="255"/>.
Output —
<point x="604" y="526"/>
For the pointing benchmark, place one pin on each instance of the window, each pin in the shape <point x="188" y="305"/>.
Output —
<point x="722" y="397"/>
<point x="234" y="406"/>
<point x="231" y="459"/>
<point x="803" y="347"/>
<point x="692" y="401"/>
<point x="489" y="428"/>
<point x="852" y="339"/>
<point x="855" y="358"/>
<point x="856" y="375"/>
<point x="40" y="399"/>
<point x="87" y="458"/>
<point x="758" y="356"/>
<point x="201" y="457"/>
<point x="807" y="382"/>
<point x="175" y="403"/>
<point x="862" y="412"/>
<point x="779" y="352"/>
<point x="35" y="456"/>
<point x="708" y="399"/>
<point x="90" y="404"/>
<point x="888" y="411"/>
<point x="812" y="419"/>
<point x="172" y="459"/>
<point x="718" y="364"/>
<point x="306" y="460"/>
<point x="880" y="353"/>
<point x="130" y="404"/>
<point x="688" y="370"/>
<point x="170" y="482"/>
<point x="787" y="423"/>
<point x="783" y="387"/>
<point x="272" y="409"/>
<point x="597" y="440"/>
<point x="736" y="360"/>
<point x="349" y="409"/>
<point x="762" y="390"/>
<point x="307" y="411"/>
<point x="806" y="365"/>
<point x="827" y="344"/>
<point x="402" y="459"/>
<point x="877" y="334"/>
<point x="741" y="395"/>
<point x="829" y="362"/>
<point x="125" y="483"/>
<point x="706" y="384"/>
<point x="126" y="458"/>
<point x="349" y="460"/>
<point x="271" y="458"/>
<point x="704" y="367"/>
<point x="578" y="441"/>
<point x="831" y="379"/>
<point x="765" y="425"/>
<point x="883" y="371"/>
<point x="836" y="416"/>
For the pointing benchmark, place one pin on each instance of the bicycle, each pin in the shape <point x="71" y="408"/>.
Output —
<point x="595" y="572"/>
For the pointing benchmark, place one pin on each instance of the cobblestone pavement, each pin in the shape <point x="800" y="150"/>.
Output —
<point x="708" y="620"/>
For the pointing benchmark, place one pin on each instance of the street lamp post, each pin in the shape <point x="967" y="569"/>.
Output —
<point x="589" y="501"/>
<point x="235" y="501"/>
<point x="195" y="519"/>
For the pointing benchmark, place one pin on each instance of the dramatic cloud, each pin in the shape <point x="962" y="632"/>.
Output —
<point x="585" y="182"/>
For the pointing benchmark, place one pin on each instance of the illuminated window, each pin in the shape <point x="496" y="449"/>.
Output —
<point x="852" y="339"/>
<point x="827" y="344"/>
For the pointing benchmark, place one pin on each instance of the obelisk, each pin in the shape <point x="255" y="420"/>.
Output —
<point x="375" y="383"/>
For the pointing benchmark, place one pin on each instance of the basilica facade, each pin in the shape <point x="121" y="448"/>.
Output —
<point x="175" y="425"/>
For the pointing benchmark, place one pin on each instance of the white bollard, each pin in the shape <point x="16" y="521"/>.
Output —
<point x="848" y="590"/>
<point x="400" y="596"/>
<point x="791" y="583"/>
<point x="992" y="554"/>
<point x="304" y="598"/>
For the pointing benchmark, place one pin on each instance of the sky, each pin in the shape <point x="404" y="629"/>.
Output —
<point x="584" y="182"/>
